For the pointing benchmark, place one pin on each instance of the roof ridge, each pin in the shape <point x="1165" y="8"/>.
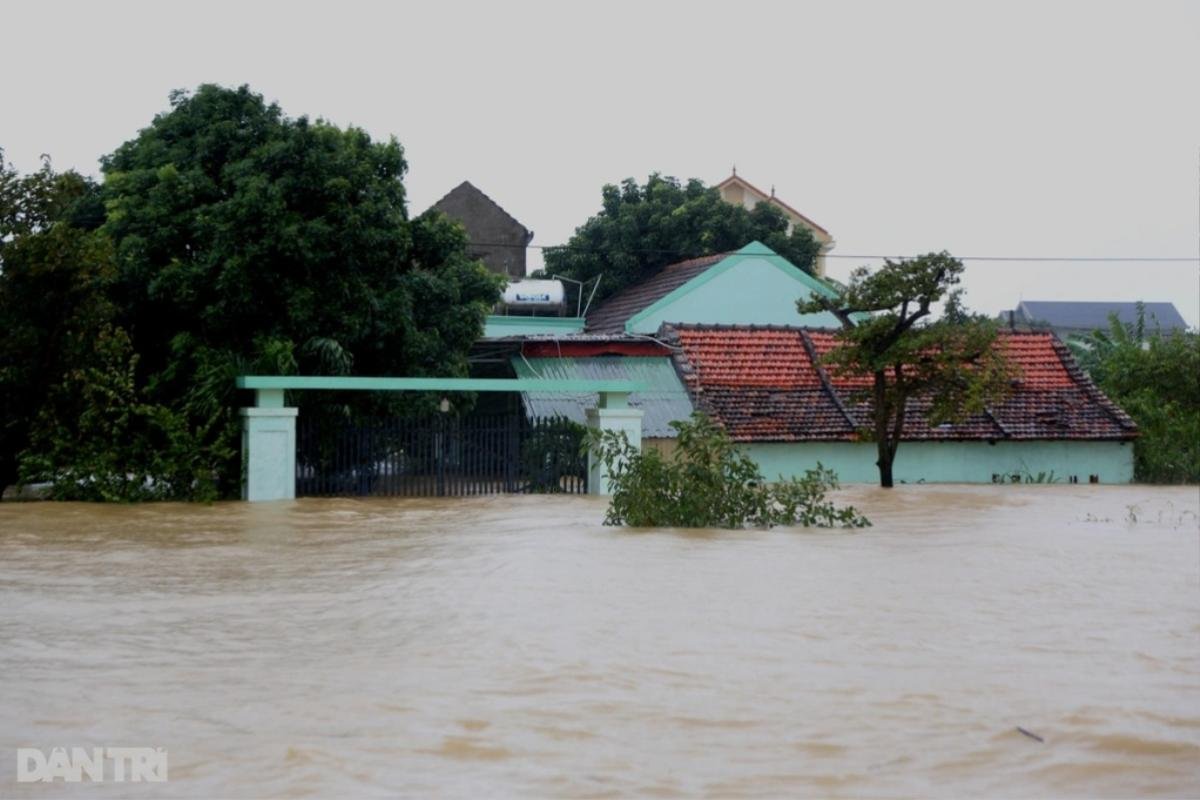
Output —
<point x="490" y="199"/>
<point x="826" y="383"/>
<point x="688" y="374"/>
<point x="1088" y="386"/>
<point x="771" y="198"/>
<point x="694" y="259"/>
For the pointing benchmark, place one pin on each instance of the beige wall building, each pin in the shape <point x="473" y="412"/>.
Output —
<point x="740" y="192"/>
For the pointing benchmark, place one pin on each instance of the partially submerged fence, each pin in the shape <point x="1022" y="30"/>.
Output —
<point x="440" y="456"/>
<point x="270" y="468"/>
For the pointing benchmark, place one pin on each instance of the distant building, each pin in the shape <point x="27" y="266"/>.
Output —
<point x="738" y="191"/>
<point x="496" y="237"/>
<point x="1073" y="319"/>
<point x="752" y="286"/>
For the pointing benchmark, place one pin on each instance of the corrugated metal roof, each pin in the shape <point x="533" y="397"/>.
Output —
<point x="1090" y="316"/>
<point x="663" y="403"/>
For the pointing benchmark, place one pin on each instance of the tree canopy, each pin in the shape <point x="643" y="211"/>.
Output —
<point x="1155" y="377"/>
<point x="233" y="239"/>
<point x="55" y="272"/>
<point x="708" y="482"/>
<point x="642" y="228"/>
<point x="888" y="335"/>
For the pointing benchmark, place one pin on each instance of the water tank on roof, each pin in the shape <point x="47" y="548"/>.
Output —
<point x="534" y="294"/>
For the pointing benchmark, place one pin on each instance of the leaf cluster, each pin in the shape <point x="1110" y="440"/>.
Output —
<point x="709" y="483"/>
<point x="1155" y="378"/>
<point x="889" y="333"/>
<point x="641" y="228"/>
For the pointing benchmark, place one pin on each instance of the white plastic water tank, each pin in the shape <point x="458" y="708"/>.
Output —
<point x="534" y="294"/>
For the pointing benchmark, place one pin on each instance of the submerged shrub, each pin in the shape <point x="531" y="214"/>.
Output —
<point x="709" y="483"/>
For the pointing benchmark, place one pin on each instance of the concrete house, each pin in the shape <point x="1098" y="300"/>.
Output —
<point x="721" y="334"/>
<point x="1074" y="319"/>
<point x="495" y="236"/>
<point x="737" y="191"/>
<point x="753" y="285"/>
<point x="767" y="388"/>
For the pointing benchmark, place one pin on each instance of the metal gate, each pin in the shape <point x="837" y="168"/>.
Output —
<point x="439" y="456"/>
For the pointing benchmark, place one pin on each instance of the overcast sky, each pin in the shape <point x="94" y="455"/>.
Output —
<point x="986" y="129"/>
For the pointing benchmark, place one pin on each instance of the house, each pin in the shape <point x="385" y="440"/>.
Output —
<point x="766" y="387"/>
<point x="1075" y="319"/>
<point x="495" y="236"/>
<point x="737" y="191"/>
<point x="753" y="285"/>
<point x="721" y="334"/>
<point x="606" y="358"/>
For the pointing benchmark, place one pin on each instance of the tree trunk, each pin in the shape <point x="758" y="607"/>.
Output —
<point x="886" y="456"/>
<point x="882" y="430"/>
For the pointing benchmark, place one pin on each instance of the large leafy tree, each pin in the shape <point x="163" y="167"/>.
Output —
<point x="889" y="335"/>
<point x="642" y="228"/>
<point x="1155" y="377"/>
<point x="243" y="231"/>
<point x="55" y="271"/>
<point x="237" y="240"/>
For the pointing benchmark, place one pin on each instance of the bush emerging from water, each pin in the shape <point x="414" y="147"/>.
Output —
<point x="709" y="483"/>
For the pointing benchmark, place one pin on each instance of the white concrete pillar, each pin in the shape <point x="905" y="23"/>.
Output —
<point x="614" y="414"/>
<point x="269" y="453"/>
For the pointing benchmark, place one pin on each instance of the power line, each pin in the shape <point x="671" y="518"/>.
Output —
<point x="648" y="251"/>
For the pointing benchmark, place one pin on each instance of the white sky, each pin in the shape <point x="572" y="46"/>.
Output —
<point x="1005" y="128"/>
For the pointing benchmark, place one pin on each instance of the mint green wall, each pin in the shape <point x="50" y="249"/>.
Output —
<point x="497" y="326"/>
<point x="951" y="462"/>
<point x="753" y="291"/>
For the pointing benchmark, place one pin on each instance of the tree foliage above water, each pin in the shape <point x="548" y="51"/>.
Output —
<point x="55" y="274"/>
<point x="643" y="228"/>
<point x="888" y="337"/>
<point x="709" y="483"/>
<point x="1155" y="377"/>
<point x="226" y="239"/>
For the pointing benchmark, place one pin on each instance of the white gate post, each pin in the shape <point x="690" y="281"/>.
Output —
<point x="613" y="414"/>
<point x="269" y="449"/>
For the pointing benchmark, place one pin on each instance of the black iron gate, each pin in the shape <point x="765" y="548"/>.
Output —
<point x="439" y="456"/>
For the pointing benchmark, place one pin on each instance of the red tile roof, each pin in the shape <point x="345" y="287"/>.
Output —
<point x="611" y="315"/>
<point x="767" y="384"/>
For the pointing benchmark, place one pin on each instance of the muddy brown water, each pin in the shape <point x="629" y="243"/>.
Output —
<point x="515" y="647"/>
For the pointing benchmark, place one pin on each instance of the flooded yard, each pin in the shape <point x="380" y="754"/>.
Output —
<point x="513" y="646"/>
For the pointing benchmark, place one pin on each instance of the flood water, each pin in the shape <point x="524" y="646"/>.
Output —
<point x="515" y="647"/>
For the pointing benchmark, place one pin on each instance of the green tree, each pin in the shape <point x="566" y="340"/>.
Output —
<point x="641" y="229"/>
<point x="708" y="482"/>
<point x="1155" y="377"/>
<point x="888" y="335"/>
<point x="55" y="272"/>
<point x="248" y="241"/>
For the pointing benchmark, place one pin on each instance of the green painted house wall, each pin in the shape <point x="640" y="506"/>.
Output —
<point x="951" y="462"/>
<point x="752" y="286"/>
<point x="497" y="326"/>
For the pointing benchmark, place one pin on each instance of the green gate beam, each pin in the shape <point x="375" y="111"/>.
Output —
<point x="269" y="429"/>
<point x="281" y="382"/>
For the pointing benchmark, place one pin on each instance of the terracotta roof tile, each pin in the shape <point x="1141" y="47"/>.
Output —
<point x="767" y="384"/>
<point x="611" y="315"/>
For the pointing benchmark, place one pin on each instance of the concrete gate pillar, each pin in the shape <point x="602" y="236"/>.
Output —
<point x="613" y="414"/>
<point x="269" y="449"/>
